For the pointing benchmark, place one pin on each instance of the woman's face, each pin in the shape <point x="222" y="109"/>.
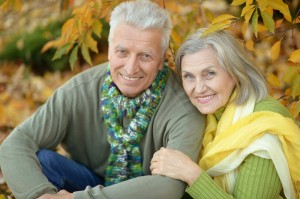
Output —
<point x="205" y="81"/>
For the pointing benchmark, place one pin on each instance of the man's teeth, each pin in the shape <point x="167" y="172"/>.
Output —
<point x="130" y="78"/>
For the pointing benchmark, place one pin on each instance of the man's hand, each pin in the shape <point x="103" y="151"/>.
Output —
<point x="63" y="194"/>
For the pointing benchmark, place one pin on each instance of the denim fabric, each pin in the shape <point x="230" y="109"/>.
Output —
<point x="65" y="173"/>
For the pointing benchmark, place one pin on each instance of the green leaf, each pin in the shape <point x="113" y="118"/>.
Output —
<point x="275" y="50"/>
<point x="73" y="56"/>
<point x="61" y="51"/>
<point x="268" y="21"/>
<point x="97" y="28"/>
<point x="254" y="22"/>
<point x="91" y="43"/>
<point x="85" y="53"/>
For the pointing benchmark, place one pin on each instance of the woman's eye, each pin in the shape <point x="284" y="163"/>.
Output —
<point x="187" y="76"/>
<point x="210" y="74"/>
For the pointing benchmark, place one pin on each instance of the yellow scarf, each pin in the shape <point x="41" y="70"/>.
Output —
<point x="223" y="138"/>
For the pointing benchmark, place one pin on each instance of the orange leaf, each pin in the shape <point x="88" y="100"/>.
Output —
<point x="295" y="57"/>
<point x="175" y="37"/>
<point x="275" y="50"/>
<point x="250" y="45"/>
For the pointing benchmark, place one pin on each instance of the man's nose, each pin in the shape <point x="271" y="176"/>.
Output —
<point x="131" y="65"/>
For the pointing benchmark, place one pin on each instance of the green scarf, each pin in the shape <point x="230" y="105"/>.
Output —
<point x="125" y="161"/>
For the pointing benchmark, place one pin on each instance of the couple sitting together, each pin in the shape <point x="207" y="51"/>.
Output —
<point x="133" y="128"/>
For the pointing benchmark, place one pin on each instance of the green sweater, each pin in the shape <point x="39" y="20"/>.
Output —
<point x="257" y="177"/>
<point x="73" y="118"/>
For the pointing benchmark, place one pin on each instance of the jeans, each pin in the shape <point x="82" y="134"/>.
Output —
<point x="65" y="173"/>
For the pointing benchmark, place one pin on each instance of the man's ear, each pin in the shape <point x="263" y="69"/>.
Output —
<point x="108" y="54"/>
<point x="163" y="62"/>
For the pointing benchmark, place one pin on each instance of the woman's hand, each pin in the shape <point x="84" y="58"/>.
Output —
<point x="62" y="194"/>
<point x="174" y="164"/>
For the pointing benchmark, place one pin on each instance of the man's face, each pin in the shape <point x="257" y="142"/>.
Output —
<point x="135" y="57"/>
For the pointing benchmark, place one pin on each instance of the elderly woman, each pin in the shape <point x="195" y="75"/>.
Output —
<point x="251" y="146"/>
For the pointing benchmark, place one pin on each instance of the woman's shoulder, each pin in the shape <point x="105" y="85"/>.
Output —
<point x="272" y="104"/>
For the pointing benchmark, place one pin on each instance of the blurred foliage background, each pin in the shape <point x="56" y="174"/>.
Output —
<point x="44" y="43"/>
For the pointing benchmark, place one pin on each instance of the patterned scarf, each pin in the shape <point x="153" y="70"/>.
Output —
<point x="125" y="161"/>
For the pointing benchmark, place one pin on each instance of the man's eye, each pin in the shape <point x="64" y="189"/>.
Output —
<point x="121" y="53"/>
<point x="145" y="57"/>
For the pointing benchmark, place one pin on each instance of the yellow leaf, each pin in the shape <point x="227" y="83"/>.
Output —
<point x="249" y="2"/>
<point x="67" y="28"/>
<point x="237" y="2"/>
<point x="281" y="7"/>
<point x="263" y="4"/>
<point x="52" y="44"/>
<point x="245" y="29"/>
<point x="2" y="196"/>
<point x="261" y="28"/>
<point x="275" y="50"/>
<point x="249" y="14"/>
<point x="216" y="27"/>
<point x="268" y="21"/>
<point x="91" y="43"/>
<point x="273" y="80"/>
<point x="250" y="45"/>
<point x="209" y="15"/>
<point x="247" y="8"/>
<point x="295" y="57"/>
<point x="223" y="18"/>
<point x="297" y="109"/>
<point x="269" y="10"/>
<point x="296" y="86"/>
<point x="290" y="74"/>
<point x="254" y="22"/>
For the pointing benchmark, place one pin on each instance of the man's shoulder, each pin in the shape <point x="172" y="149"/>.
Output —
<point x="90" y="76"/>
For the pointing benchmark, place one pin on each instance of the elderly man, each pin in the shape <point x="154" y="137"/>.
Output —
<point x="110" y="119"/>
